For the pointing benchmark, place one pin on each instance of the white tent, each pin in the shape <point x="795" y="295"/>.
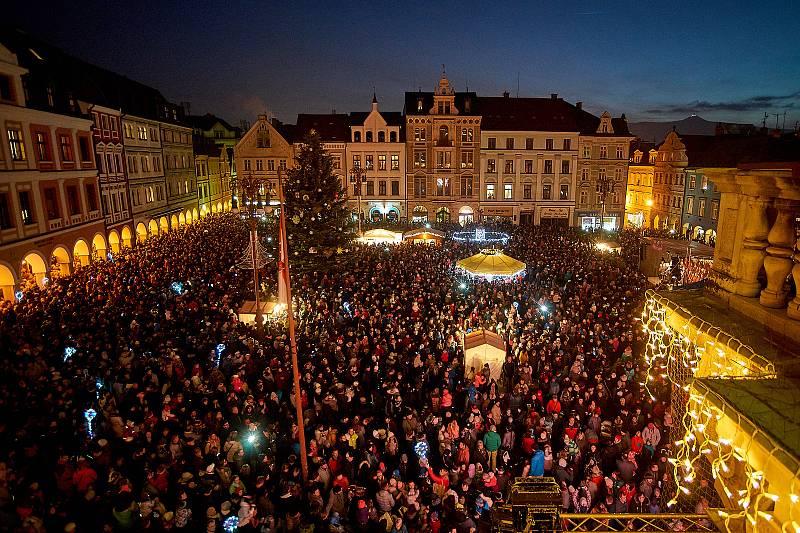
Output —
<point x="484" y="346"/>
<point x="381" y="236"/>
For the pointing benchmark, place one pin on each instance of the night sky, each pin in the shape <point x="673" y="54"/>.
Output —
<point x="724" y="60"/>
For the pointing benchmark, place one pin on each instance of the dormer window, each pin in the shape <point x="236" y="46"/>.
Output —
<point x="419" y="104"/>
<point x="369" y="137"/>
<point x="381" y="136"/>
<point x="637" y="157"/>
<point x="357" y="136"/>
<point x="393" y="136"/>
<point x="6" y="93"/>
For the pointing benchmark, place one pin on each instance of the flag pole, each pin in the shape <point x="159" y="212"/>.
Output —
<point x="283" y="275"/>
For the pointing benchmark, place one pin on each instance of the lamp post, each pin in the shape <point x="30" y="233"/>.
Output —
<point x="254" y="194"/>
<point x="358" y="176"/>
<point x="605" y="186"/>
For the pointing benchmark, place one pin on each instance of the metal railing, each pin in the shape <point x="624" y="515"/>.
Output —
<point x="648" y="523"/>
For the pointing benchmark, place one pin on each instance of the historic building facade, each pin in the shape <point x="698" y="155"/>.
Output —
<point x="377" y="146"/>
<point x="179" y="170"/>
<point x="334" y="132"/>
<point x="602" y="170"/>
<point x="443" y="134"/>
<point x="639" y="196"/>
<point x="50" y="217"/>
<point x="213" y="142"/>
<point x="529" y="152"/>
<point x="261" y="151"/>
<point x="669" y="183"/>
<point x="145" y="172"/>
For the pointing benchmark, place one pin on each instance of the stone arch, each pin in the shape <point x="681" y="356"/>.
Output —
<point x="189" y="218"/>
<point x="163" y="223"/>
<point x="152" y="227"/>
<point x="33" y="270"/>
<point x="420" y="213"/>
<point x="126" y="237"/>
<point x="141" y="232"/>
<point x="181" y="220"/>
<point x="466" y="215"/>
<point x="8" y="282"/>
<point x="60" y="262"/>
<point x="698" y="233"/>
<point x="219" y="207"/>
<point x="195" y="214"/>
<point x="114" y="241"/>
<point x="80" y="253"/>
<point x="173" y="222"/>
<point x="443" y="214"/>
<point x="99" y="246"/>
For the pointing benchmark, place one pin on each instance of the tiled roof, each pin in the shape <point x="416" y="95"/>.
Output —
<point x="463" y="101"/>
<point x="728" y="151"/>
<point x="644" y="147"/>
<point x="527" y="114"/>
<point x="208" y="121"/>
<point x="331" y="127"/>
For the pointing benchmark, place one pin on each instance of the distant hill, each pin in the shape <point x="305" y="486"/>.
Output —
<point x="691" y="125"/>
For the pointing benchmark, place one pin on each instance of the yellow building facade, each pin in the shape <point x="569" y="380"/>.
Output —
<point x="639" y="197"/>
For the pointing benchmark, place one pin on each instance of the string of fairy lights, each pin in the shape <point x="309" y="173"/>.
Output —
<point x="679" y="350"/>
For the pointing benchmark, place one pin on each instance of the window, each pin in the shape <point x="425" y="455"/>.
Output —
<point x="419" y="159"/>
<point x="692" y="182"/>
<point x="563" y="193"/>
<point x="419" y="134"/>
<point x="529" y="143"/>
<point x="271" y="164"/>
<point x="356" y="161"/>
<point x="509" y="166"/>
<point x="509" y="143"/>
<point x="490" y="191"/>
<point x="6" y="92"/>
<point x="603" y="152"/>
<point x="370" y="188"/>
<point x="16" y="144"/>
<point x="443" y="159"/>
<point x="357" y="136"/>
<point x="382" y="188"/>
<point x="91" y="197"/>
<point x="715" y="210"/>
<point x="618" y="174"/>
<point x="368" y="163"/>
<point x="548" y="166"/>
<point x="705" y="183"/>
<point x="5" y="211"/>
<point x="701" y="212"/>
<point x="546" y="192"/>
<point x="548" y="144"/>
<point x="73" y="203"/>
<point x="527" y="190"/>
<point x="259" y="164"/>
<point x="419" y="104"/>
<point x="567" y="144"/>
<point x="529" y="166"/>
<point x="66" y="148"/>
<point x="587" y="152"/>
<point x="490" y="165"/>
<point x="395" y="162"/>
<point x="466" y="185"/>
<point x="420" y="186"/>
<point x="491" y="143"/>
<point x="42" y="146"/>
<point x="565" y="166"/>
<point x="282" y="164"/>
<point x="392" y="136"/>
<point x="382" y="162"/>
<point x="336" y="161"/>
<point x="619" y="152"/>
<point x="444" y="134"/>
<point x="368" y="137"/>
<point x="508" y="191"/>
<point x="584" y="196"/>
<point x="395" y="188"/>
<point x="690" y="205"/>
<point x="381" y="136"/>
<point x="466" y="159"/>
<point x="25" y="207"/>
<point x="466" y="135"/>
<point x="443" y="187"/>
<point x="637" y="158"/>
<point x="246" y="164"/>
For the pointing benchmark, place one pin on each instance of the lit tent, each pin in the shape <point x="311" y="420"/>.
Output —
<point x="492" y="264"/>
<point x="483" y="346"/>
<point x="381" y="236"/>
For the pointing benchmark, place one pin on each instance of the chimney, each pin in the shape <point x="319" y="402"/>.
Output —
<point x="579" y="105"/>
<point x="554" y="96"/>
<point x="505" y="94"/>
<point x="623" y="117"/>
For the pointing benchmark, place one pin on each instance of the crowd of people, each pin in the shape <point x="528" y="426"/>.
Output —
<point x="195" y="427"/>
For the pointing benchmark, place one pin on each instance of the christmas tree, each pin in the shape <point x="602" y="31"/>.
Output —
<point x="318" y="222"/>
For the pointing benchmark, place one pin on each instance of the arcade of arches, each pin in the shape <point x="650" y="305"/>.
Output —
<point x="39" y="266"/>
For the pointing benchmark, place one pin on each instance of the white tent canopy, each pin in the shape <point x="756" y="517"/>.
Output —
<point x="483" y="346"/>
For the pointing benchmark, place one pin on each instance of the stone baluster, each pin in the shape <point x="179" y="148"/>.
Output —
<point x="794" y="306"/>
<point x="754" y="242"/>
<point x="778" y="262"/>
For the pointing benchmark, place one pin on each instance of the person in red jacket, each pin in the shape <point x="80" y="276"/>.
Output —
<point x="84" y="477"/>
<point x="553" y="406"/>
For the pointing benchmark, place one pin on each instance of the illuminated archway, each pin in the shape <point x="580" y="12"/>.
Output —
<point x="113" y="241"/>
<point x="153" y="228"/>
<point x="181" y="220"/>
<point x="219" y="207"/>
<point x="8" y="282"/>
<point x="189" y="216"/>
<point x="698" y="233"/>
<point x="60" y="262"/>
<point x="173" y="222"/>
<point x="657" y="222"/>
<point x="141" y="232"/>
<point x="126" y="237"/>
<point x="99" y="247"/>
<point x="33" y="270"/>
<point x="80" y="253"/>
<point x="163" y="223"/>
<point x="195" y="214"/>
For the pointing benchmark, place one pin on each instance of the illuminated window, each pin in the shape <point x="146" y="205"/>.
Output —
<point x="546" y="192"/>
<point x="508" y="191"/>
<point x="490" y="191"/>
<point x="16" y="144"/>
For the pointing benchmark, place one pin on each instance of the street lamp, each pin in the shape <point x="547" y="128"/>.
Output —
<point x="253" y="196"/>
<point x="605" y="185"/>
<point x="358" y="176"/>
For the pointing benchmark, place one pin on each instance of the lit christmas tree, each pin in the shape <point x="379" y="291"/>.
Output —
<point x="318" y="222"/>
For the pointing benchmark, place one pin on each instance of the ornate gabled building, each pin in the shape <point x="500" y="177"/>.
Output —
<point x="669" y="183"/>
<point x="443" y="133"/>
<point x="639" y="196"/>
<point x="213" y="141"/>
<point x="264" y="149"/>
<point x="377" y="146"/>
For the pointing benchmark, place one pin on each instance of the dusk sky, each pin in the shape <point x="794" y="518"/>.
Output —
<point x="723" y="60"/>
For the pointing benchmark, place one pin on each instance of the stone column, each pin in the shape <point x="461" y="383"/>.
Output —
<point x="754" y="241"/>
<point x="778" y="262"/>
<point x="793" y="310"/>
